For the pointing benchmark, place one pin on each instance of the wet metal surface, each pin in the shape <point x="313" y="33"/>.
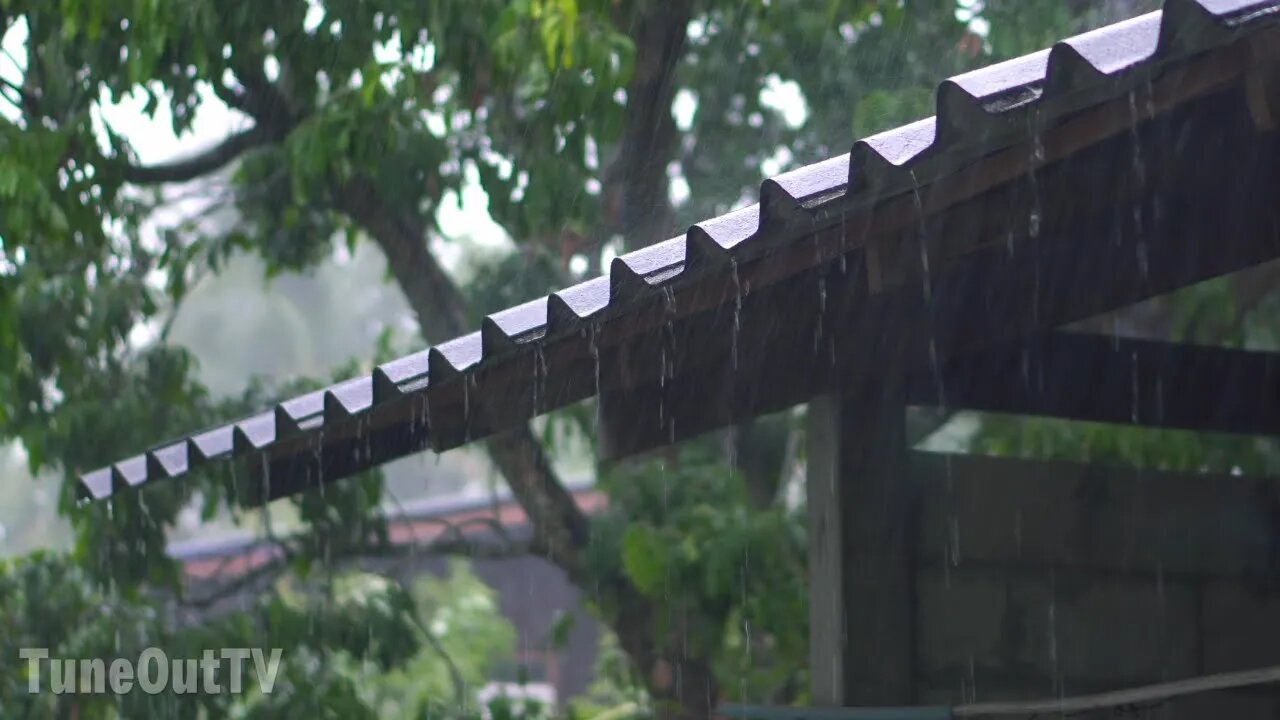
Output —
<point x="573" y="337"/>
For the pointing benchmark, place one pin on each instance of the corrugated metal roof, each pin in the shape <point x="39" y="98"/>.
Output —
<point x="978" y="114"/>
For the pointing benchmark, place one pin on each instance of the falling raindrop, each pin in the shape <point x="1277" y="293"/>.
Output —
<point x="662" y="385"/>
<point x="266" y="476"/>
<point x="1034" y="217"/>
<point x="920" y="237"/>
<point x="1139" y="173"/>
<point x="466" y="408"/>
<point x="973" y="681"/>
<point x="427" y="427"/>
<point x="1135" y="396"/>
<point x="368" y="439"/>
<point x="953" y="548"/>
<point x="235" y="481"/>
<point x="317" y="451"/>
<point x="822" y="311"/>
<point x="927" y="290"/>
<point x="1053" y="632"/>
<point x="666" y="357"/>
<point x="593" y="348"/>
<point x="142" y="505"/>
<point x="737" y="313"/>
<point x="539" y="378"/>
<point x="1017" y="532"/>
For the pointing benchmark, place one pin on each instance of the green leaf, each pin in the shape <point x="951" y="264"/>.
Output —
<point x="644" y="558"/>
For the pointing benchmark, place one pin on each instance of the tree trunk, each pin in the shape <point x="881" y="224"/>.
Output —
<point x="682" y="686"/>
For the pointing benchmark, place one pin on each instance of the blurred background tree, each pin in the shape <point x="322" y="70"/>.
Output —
<point x="384" y="173"/>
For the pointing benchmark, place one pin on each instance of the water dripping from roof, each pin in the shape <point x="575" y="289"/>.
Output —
<point x="1134" y="396"/>
<point x="539" y="378"/>
<point x="466" y="408"/>
<point x="927" y="288"/>
<point x="1034" y="217"/>
<point x="1037" y="160"/>
<point x="822" y="311"/>
<point x="142" y="505"/>
<point x="319" y="455"/>
<point x="593" y="349"/>
<point x="413" y="413"/>
<point x="953" y="540"/>
<point x="662" y="384"/>
<point x="1053" y="633"/>
<point x="737" y="313"/>
<point x="666" y="366"/>
<point x="266" y="477"/>
<point x="428" y="430"/>
<point x="356" y="444"/>
<point x="235" y="482"/>
<point x="1139" y="170"/>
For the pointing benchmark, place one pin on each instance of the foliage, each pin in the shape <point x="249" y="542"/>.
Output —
<point x="46" y="601"/>
<point x="358" y="651"/>
<point x="461" y="614"/>
<point x="689" y="539"/>
<point x="361" y="118"/>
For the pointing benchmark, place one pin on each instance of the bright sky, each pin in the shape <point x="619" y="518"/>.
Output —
<point x="154" y="141"/>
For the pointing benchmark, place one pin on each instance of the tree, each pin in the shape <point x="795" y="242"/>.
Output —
<point x="361" y="118"/>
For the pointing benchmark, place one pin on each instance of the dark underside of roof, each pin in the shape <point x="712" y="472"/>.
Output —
<point x="1119" y="165"/>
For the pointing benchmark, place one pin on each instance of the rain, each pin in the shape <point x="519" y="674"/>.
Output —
<point x="606" y="360"/>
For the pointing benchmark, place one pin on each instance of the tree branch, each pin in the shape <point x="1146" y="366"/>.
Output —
<point x="559" y="526"/>
<point x="455" y="675"/>
<point x="637" y="188"/>
<point x="451" y="541"/>
<point x="24" y="99"/>
<point x="203" y="163"/>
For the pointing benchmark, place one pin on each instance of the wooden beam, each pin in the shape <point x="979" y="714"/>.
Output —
<point x="861" y="527"/>
<point x="1112" y="380"/>
<point x="1202" y="204"/>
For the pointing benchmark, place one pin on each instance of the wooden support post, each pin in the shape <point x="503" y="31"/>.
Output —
<point x="861" y="511"/>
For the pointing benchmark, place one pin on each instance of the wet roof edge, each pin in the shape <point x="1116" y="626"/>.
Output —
<point x="978" y="112"/>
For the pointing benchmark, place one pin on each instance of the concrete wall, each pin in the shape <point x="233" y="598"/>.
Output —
<point x="1036" y="579"/>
